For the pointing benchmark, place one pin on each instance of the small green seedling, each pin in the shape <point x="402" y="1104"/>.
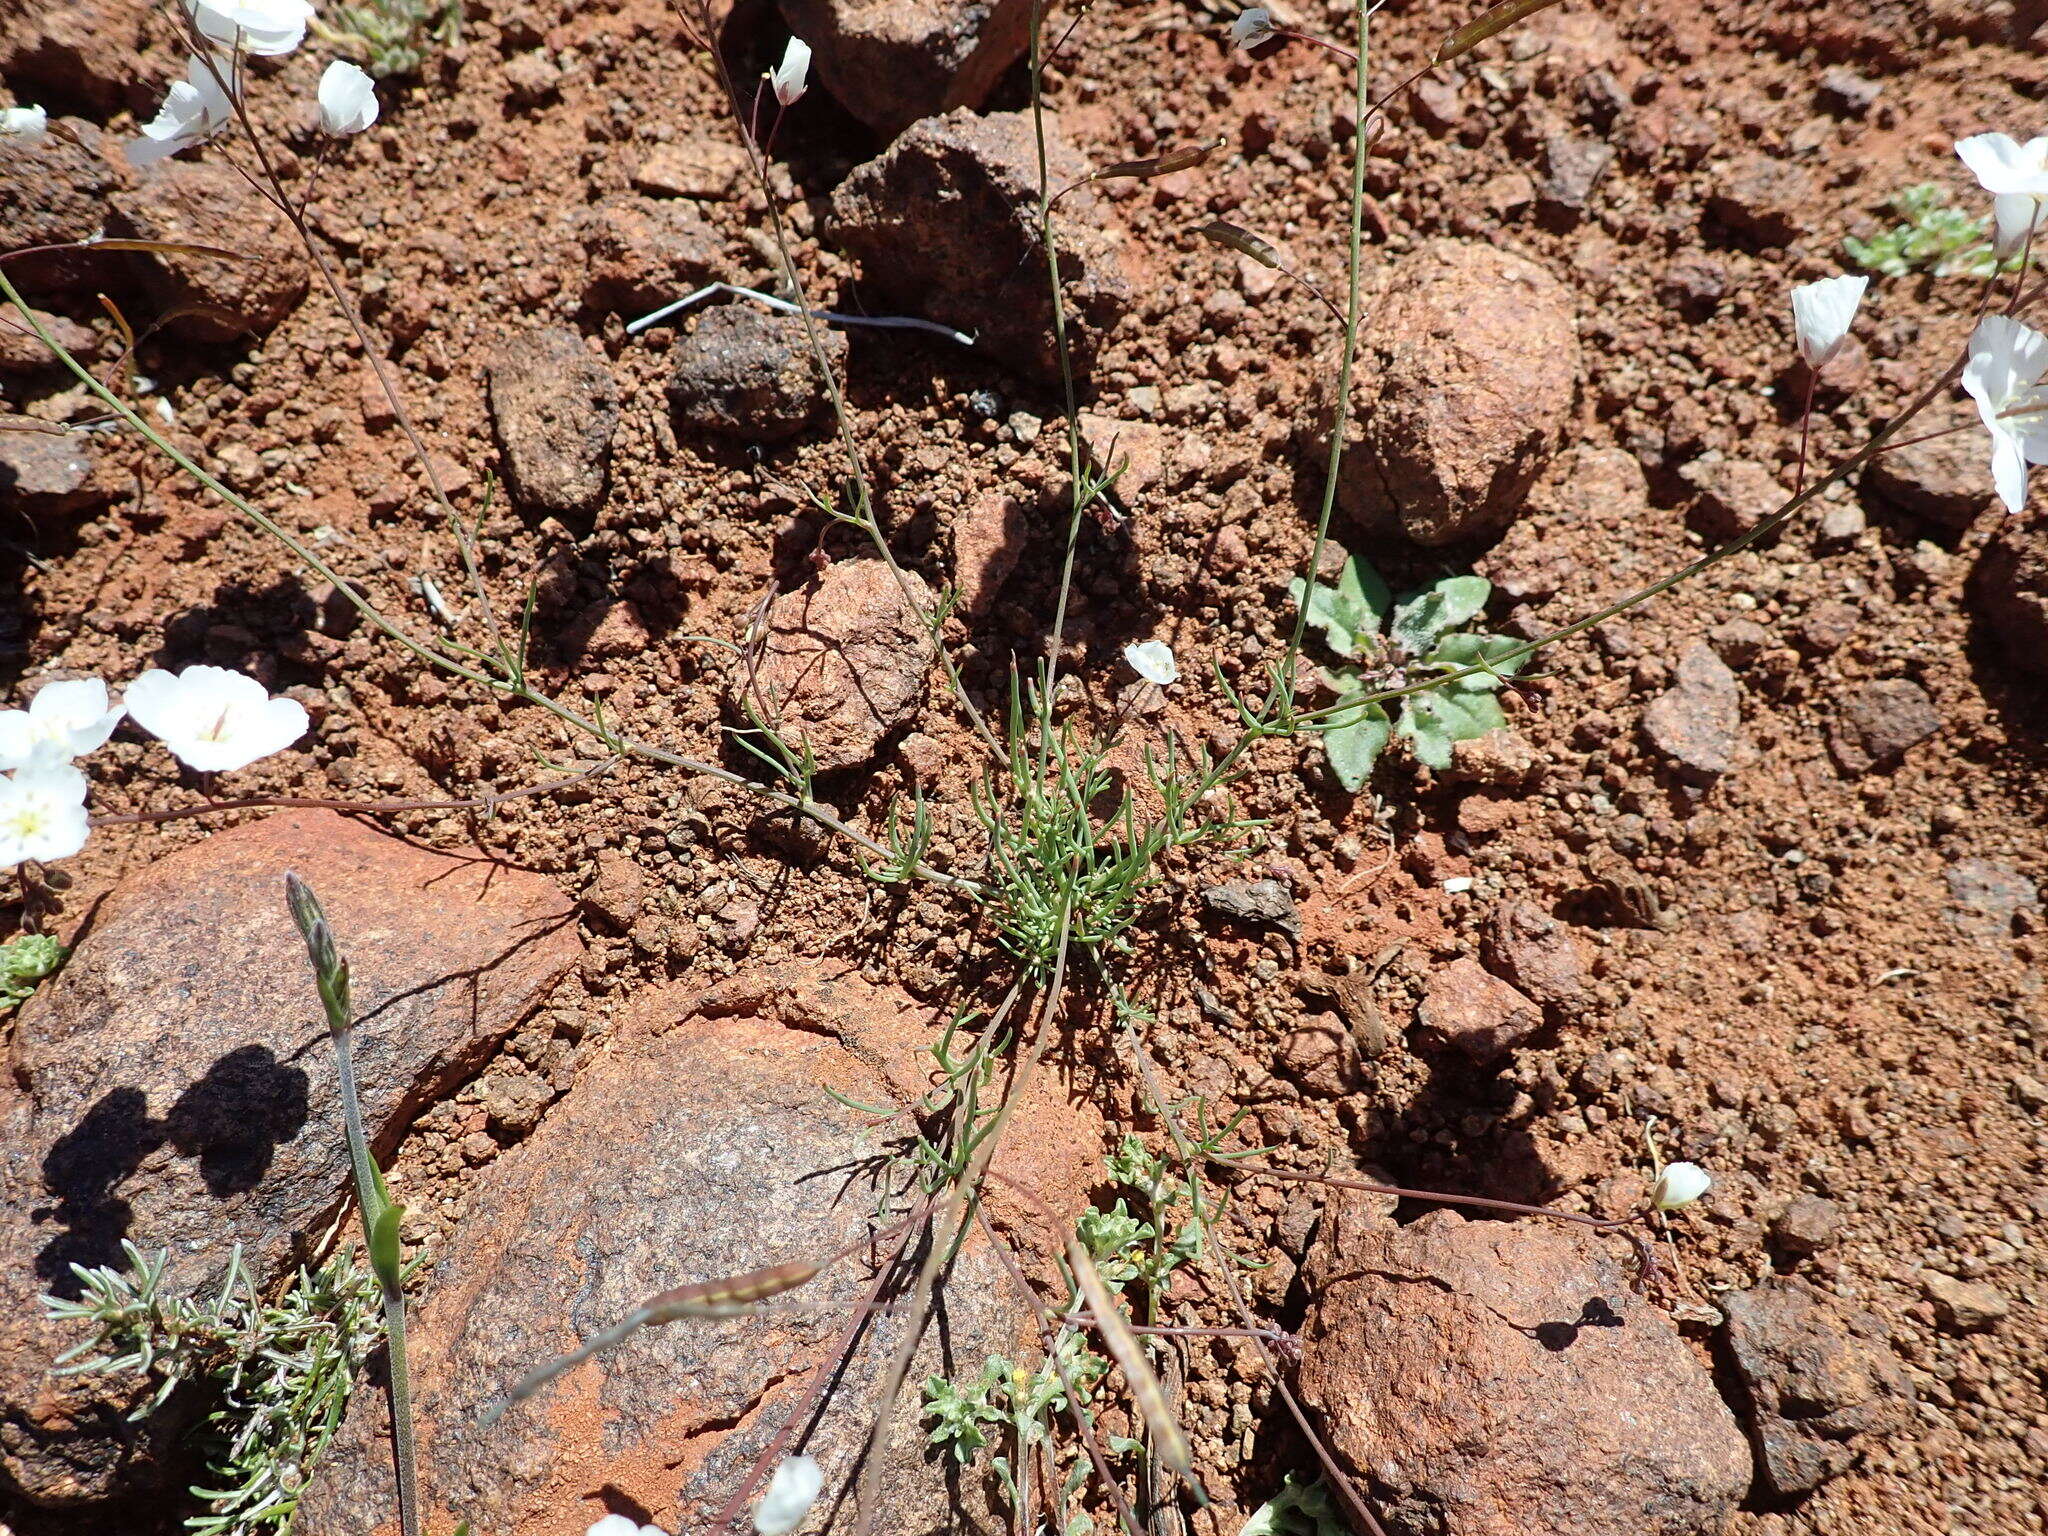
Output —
<point x="1299" y="1509"/>
<point x="1394" y="645"/>
<point x="24" y="961"/>
<point x="1935" y="238"/>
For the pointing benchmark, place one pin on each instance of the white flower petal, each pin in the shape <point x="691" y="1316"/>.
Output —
<point x="195" y="108"/>
<point x="2009" y="472"/>
<point x="42" y="815"/>
<point x="791" y="1493"/>
<point x="792" y="77"/>
<point x="2003" y="167"/>
<point x="1822" y="314"/>
<point x="1679" y="1184"/>
<point x="348" y="99"/>
<point x="1252" y="27"/>
<point x="2015" y="216"/>
<point x="214" y="720"/>
<point x="264" y="27"/>
<point x="1153" y="661"/>
<point x="25" y="123"/>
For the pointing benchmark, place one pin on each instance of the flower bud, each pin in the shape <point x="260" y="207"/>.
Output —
<point x="1679" y="1184"/>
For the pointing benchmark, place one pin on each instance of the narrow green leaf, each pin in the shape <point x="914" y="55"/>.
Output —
<point x="385" y="1262"/>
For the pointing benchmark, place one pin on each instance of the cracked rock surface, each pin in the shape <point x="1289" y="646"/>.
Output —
<point x="1480" y="1376"/>
<point x="704" y="1145"/>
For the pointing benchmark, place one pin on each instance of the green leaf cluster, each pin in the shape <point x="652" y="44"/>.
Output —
<point x="24" y="961"/>
<point x="1389" y="644"/>
<point x="1935" y="237"/>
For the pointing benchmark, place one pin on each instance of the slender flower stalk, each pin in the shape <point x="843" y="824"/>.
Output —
<point x="381" y="1216"/>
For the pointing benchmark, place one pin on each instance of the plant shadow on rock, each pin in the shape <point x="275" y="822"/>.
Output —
<point x="232" y="1120"/>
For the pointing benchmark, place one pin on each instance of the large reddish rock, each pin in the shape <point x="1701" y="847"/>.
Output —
<point x="2009" y="589"/>
<point x="1491" y="1378"/>
<point x="842" y="661"/>
<point x="945" y="224"/>
<point x="1467" y="367"/>
<point x="174" y="1086"/>
<point x="210" y="298"/>
<point x="708" y="1144"/>
<point x="83" y="50"/>
<point x="554" y="406"/>
<point x="891" y="62"/>
<point x="55" y="189"/>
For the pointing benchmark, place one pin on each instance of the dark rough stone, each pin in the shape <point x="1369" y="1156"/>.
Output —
<point x="1806" y="1226"/>
<point x="742" y="372"/>
<point x="1945" y="479"/>
<point x="705" y="1145"/>
<point x="641" y="253"/>
<point x="207" y="298"/>
<point x="46" y="475"/>
<point x="1731" y="496"/>
<point x="555" y="407"/>
<point x="2009" y="588"/>
<point x="1536" y="954"/>
<point x="843" y="661"/>
<point x="891" y="62"/>
<point x="1987" y="897"/>
<point x="945" y="224"/>
<point x="1572" y="168"/>
<point x="1878" y="722"/>
<point x="1767" y="199"/>
<point x="1469" y="1007"/>
<point x="21" y="352"/>
<point x="1258" y="902"/>
<point x="55" y="190"/>
<point x="1487" y="1378"/>
<point x="1818" y="1384"/>
<point x="1467" y="369"/>
<point x="1697" y="723"/>
<point x="174" y="1086"/>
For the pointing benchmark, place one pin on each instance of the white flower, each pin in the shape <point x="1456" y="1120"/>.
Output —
<point x="194" y="111"/>
<point x="63" y="721"/>
<point x="2016" y="216"/>
<point x="622" y="1525"/>
<point x="1679" y="1184"/>
<point x="2004" y="166"/>
<point x="792" y="77"/>
<point x="2003" y="375"/>
<point x="266" y="27"/>
<point x="25" y="123"/>
<point x="1822" y="314"/>
<point x="1153" y="661"/>
<point x="791" y="1493"/>
<point x="214" y="720"/>
<point x="1252" y="27"/>
<point x="348" y="99"/>
<point x="42" y="815"/>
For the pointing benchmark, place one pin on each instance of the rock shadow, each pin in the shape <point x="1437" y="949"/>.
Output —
<point x="231" y="1122"/>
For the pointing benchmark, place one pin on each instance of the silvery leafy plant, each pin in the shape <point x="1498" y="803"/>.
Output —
<point x="1388" y="644"/>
